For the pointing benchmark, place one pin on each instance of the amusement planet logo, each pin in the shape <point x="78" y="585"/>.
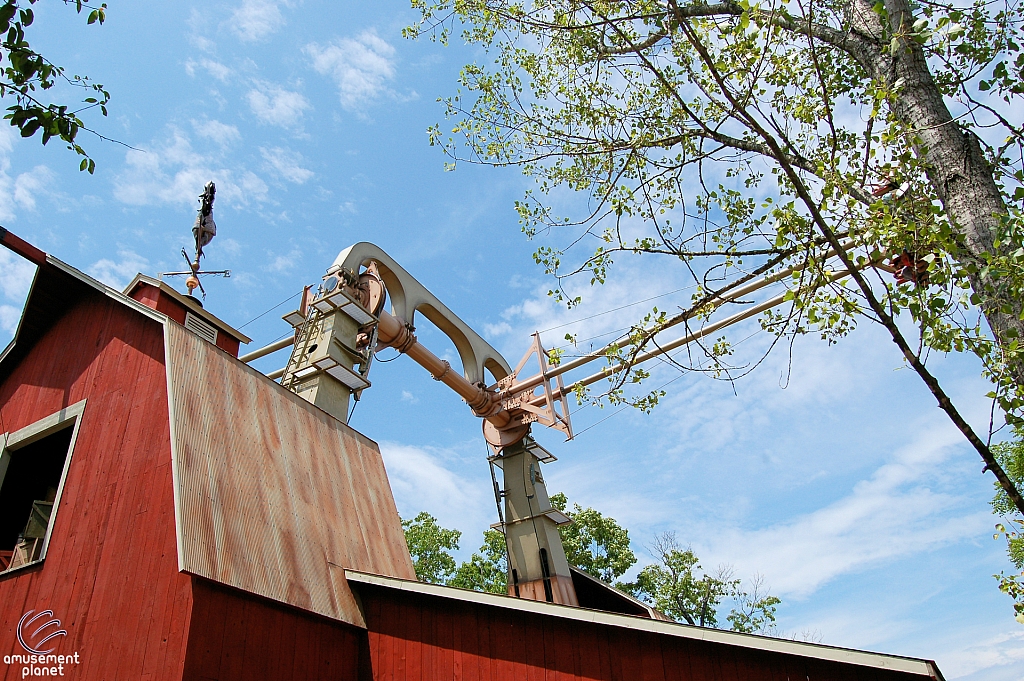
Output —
<point x="39" y="633"/>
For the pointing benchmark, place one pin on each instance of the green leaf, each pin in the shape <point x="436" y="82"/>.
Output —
<point x="30" y="128"/>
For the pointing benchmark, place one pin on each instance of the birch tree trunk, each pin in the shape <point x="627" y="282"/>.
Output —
<point x="955" y="165"/>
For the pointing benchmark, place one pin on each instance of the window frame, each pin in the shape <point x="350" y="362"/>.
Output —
<point x="10" y="443"/>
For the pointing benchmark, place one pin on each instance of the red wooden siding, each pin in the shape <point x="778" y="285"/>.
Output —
<point x="234" y="636"/>
<point x="111" y="574"/>
<point x="415" y="637"/>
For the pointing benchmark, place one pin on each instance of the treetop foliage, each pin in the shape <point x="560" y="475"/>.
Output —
<point x="26" y="74"/>
<point x="486" y="570"/>
<point x="678" y="586"/>
<point x="599" y="546"/>
<point x="431" y="546"/>
<point x="593" y="542"/>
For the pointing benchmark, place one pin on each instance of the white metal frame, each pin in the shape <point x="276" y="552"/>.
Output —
<point x="10" y="443"/>
<point x="409" y="296"/>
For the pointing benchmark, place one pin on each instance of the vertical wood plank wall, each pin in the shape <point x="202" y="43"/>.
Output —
<point x="234" y="636"/>
<point x="110" y="575"/>
<point x="414" y="637"/>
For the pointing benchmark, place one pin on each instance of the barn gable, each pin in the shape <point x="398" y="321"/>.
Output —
<point x="271" y="495"/>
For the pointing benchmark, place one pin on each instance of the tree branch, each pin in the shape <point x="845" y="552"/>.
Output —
<point x="883" y="315"/>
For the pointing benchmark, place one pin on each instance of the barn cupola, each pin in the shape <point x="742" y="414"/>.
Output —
<point x="187" y="311"/>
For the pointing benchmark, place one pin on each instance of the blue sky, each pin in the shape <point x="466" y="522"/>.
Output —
<point x="842" y="484"/>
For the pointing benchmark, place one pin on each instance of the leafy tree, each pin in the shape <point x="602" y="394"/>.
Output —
<point x="678" y="586"/>
<point x="739" y="138"/>
<point x="25" y="75"/>
<point x="673" y="587"/>
<point x="431" y="546"/>
<point x="755" y="610"/>
<point x="486" y="570"/>
<point x="1011" y="455"/>
<point x="593" y="542"/>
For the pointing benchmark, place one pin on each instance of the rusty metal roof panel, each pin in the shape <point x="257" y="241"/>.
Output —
<point x="271" y="491"/>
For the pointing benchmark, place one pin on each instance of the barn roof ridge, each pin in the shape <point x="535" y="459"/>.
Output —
<point x="44" y="260"/>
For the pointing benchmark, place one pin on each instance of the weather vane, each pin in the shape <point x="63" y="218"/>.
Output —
<point x="203" y="230"/>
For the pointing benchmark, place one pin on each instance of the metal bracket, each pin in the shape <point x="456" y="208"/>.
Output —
<point x="552" y="412"/>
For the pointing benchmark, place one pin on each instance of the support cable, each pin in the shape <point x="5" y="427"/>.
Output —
<point x="269" y="311"/>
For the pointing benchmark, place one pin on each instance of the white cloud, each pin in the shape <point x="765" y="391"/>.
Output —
<point x="27" y="186"/>
<point x="171" y="171"/>
<point x="229" y="246"/>
<point x="993" y="656"/>
<point x="360" y="66"/>
<point x="893" y="513"/>
<point x="409" y="397"/>
<point x="214" y="68"/>
<point x="15" y="275"/>
<point x="118" y="273"/>
<point x="287" y="164"/>
<point x="283" y="263"/>
<point x="9" y="317"/>
<point x="255" y="19"/>
<point x="422" y="480"/>
<point x="22" y="190"/>
<point x="198" y="22"/>
<point x="605" y="312"/>
<point x="277" y="106"/>
<point x="221" y="133"/>
<point x="499" y="329"/>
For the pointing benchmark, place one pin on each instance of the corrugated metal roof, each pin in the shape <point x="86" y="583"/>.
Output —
<point x="270" y="490"/>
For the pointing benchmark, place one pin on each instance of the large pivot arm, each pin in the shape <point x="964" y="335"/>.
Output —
<point x="339" y="326"/>
<point x="409" y="296"/>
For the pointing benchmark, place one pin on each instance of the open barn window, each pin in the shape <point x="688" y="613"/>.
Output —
<point x="33" y="464"/>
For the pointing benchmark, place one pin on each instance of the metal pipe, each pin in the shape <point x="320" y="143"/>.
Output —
<point x="717" y="302"/>
<point x="274" y="375"/>
<point x="268" y="349"/>
<point x="392" y="332"/>
<point x="679" y="342"/>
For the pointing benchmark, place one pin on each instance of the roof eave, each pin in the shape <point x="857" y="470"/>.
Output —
<point x="925" y="668"/>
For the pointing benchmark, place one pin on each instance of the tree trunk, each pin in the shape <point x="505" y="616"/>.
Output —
<point x="962" y="178"/>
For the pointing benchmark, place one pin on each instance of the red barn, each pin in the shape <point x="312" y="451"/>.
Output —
<point x="167" y="512"/>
